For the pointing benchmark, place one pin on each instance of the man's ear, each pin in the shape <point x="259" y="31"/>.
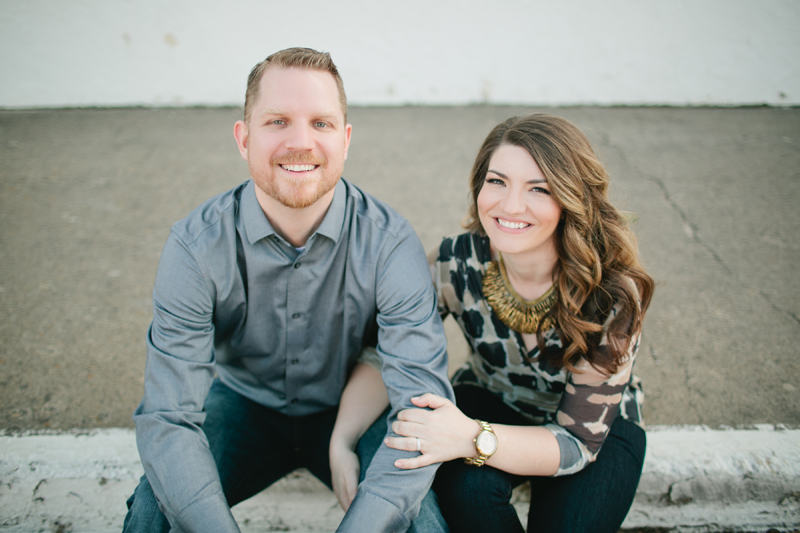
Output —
<point x="241" y="134"/>
<point x="348" y="129"/>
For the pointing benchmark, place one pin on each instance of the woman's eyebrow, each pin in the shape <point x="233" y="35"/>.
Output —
<point x="530" y="182"/>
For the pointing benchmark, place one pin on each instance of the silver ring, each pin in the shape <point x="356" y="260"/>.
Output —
<point x="419" y="444"/>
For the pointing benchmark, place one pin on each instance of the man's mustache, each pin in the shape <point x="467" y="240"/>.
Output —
<point x="298" y="158"/>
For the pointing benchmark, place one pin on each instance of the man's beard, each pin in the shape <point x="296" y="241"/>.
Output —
<point x="299" y="193"/>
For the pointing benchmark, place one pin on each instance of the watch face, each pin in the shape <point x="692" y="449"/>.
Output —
<point x="486" y="443"/>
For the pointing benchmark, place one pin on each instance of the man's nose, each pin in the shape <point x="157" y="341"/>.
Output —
<point x="300" y="137"/>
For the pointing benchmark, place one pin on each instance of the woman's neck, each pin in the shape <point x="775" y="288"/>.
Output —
<point x="531" y="273"/>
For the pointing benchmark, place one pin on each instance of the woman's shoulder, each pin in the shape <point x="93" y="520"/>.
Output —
<point x="466" y="247"/>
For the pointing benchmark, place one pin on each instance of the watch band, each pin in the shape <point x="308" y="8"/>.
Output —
<point x="481" y="457"/>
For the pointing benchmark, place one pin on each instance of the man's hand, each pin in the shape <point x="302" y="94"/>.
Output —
<point x="363" y="399"/>
<point x="444" y="432"/>
<point x="345" y="469"/>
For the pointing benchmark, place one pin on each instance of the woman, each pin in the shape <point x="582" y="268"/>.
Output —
<point x="549" y="292"/>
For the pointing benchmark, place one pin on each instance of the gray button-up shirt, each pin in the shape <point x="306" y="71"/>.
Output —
<point x="284" y="328"/>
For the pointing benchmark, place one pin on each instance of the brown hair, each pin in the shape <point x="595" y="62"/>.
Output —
<point x="292" y="57"/>
<point x="597" y="252"/>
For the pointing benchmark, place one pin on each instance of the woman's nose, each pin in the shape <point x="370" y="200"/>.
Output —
<point x="513" y="203"/>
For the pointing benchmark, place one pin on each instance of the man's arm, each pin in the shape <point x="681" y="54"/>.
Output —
<point x="412" y="346"/>
<point x="180" y="368"/>
<point x="363" y="400"/>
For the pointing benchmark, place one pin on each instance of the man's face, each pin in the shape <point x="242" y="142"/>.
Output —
<point x="296" y="140"/>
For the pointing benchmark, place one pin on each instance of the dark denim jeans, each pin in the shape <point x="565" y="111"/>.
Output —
<point x="254" y="447"/>
<point x="594" y="500"/>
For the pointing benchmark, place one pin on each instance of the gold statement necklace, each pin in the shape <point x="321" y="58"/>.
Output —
<point x="512" y="309"/>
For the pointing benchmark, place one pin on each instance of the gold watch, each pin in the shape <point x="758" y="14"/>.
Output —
<point x="485" y="444"/>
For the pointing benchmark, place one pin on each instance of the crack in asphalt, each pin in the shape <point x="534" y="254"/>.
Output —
<point x="778" y="308"/>
<point x="694" y="229"/>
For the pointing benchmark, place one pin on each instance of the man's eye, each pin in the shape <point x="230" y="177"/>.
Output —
<point x="277" y="122"/>
<point x="321" y="125"/>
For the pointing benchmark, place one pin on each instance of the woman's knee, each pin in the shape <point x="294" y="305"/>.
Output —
<point x="466" y="486"/>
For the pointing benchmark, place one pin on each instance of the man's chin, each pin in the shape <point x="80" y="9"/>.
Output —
<point x="299" y="198"/>
<point x="297" y="202"/>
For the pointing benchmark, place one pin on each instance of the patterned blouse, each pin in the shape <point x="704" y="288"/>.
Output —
<point x="579" y="413"/>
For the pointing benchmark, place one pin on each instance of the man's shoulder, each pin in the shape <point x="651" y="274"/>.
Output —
<point x="369" y="210"/>
<point x="217" y="210"/>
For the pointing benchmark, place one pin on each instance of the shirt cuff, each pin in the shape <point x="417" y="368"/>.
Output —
<point x="207" y="514"/>
<point x="371" y="513"/>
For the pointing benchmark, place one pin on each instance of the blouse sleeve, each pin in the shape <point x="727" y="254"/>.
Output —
<point x="589" y="405"/>
<point x="439" y="259"/>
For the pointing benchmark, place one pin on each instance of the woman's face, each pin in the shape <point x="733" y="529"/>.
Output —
<point x="515" y="206"/>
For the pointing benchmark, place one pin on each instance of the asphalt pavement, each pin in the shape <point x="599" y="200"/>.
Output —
<point x="87" y="197"/>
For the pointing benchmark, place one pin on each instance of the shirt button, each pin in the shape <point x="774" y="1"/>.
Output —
<point x="297" y="265"/>
<point x="296" y="315"/>
<point x="295" y="361"/>
<point x="294" y="400"/>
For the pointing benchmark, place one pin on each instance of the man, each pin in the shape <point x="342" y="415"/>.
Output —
<point x="265" y="297"/>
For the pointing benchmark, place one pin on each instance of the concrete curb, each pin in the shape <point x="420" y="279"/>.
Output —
<point x="695" y="479"/>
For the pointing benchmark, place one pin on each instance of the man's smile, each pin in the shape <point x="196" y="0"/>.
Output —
<point x="298" y="168"/>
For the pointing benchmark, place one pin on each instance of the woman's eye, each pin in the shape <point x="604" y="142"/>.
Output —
<point x="494" y="181"/>
<point x="541" y="190"/>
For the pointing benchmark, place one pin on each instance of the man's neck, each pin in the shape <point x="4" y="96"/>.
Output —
<point x="294" y="225"/>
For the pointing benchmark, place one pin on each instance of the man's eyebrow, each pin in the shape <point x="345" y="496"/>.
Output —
<point x="531" y="182"/>
<point x="277" y="111"/>
<point x="273" y="111"/>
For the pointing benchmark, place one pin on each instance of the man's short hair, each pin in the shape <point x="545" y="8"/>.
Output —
<point x="292" y="57"/>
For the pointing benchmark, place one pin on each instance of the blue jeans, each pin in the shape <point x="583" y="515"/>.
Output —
<point x="594" y="500"/>
<point x="254" y="447"/>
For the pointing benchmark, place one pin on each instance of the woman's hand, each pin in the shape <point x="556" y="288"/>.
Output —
<point x="345" y="469"/>
<point x="444" y="433"/>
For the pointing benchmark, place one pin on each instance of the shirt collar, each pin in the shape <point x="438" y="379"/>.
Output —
<point x="255" y="221"/>
<point x="331" y="225"/>
<point x="257" y="225"/>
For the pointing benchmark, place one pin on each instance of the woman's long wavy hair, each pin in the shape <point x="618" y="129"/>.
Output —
<point x="597" y="252"/>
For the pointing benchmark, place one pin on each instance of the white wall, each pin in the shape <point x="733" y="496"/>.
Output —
<point x="185" y="52"/>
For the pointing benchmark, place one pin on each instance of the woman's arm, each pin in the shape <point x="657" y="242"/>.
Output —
<point x="588" y="407"/>
<point x="364" y="398"/>
<point x="446" y="433"/>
